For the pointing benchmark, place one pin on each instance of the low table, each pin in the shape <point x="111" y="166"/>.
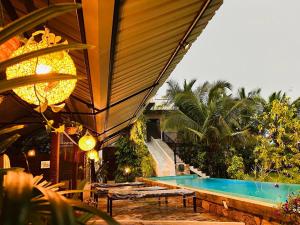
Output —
<point x="133" y="195"/>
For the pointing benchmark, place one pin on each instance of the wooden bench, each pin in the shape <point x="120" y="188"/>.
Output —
<point x="133" y="195"/>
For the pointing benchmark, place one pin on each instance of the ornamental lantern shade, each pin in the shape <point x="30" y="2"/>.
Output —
<point x="87" y="142"/>
<point x="58" y="62"/>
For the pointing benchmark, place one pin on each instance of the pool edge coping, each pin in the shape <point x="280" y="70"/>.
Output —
<point x="267" y="204"/>
<point x="255" y="208"/>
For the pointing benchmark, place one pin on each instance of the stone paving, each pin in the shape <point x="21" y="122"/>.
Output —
<point x="148" y="211"/>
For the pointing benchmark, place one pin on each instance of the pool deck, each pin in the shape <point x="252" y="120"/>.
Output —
<point x="147" y="211"/>
<point x="252" y="212"/>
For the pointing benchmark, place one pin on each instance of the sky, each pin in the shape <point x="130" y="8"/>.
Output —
<point x="251" y="44"/>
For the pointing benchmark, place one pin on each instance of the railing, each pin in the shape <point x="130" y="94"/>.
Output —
<point x="171" y="143"/>
<point x="178" y="148"/>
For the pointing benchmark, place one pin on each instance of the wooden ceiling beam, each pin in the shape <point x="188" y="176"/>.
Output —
<point x="10" y="9"/>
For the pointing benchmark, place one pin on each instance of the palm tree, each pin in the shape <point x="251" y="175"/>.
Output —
<point x="281" y="96"/>
<point x="208" y="116"/>
<point x="174" y="88"/>
<point x="255" y="105"/>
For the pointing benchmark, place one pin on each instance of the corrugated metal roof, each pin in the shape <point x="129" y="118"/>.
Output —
<point x="148" y="42"/>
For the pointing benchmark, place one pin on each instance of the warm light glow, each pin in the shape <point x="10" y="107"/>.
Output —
<point x="93" y="155"/>
<point x="127" y="170"/>
<point x="31" y="153"/>
<point x="87" y="142"/>
<point x="58" y="62"/>
<point x="43" y="69"/>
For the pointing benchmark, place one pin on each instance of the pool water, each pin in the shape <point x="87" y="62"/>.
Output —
<point x="263" y="191"/>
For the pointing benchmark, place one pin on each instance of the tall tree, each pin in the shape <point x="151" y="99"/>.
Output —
<point x="278" y="147"/>
<point x="208" y="116"/>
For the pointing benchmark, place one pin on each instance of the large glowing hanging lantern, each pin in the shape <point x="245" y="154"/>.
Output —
<point x="58" y="62"/>
<point x="87" y="142"/>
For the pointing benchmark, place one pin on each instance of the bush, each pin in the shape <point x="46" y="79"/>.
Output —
<point x="147" y="166"/>
<point x="126" y="156"/>
<point x="236" y="168"/>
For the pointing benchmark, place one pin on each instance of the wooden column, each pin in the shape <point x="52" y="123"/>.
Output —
<point x="75" y="166"/>
<point x="54" y="157"/>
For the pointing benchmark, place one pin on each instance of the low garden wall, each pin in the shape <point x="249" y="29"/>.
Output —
<point x="251" y="212"/>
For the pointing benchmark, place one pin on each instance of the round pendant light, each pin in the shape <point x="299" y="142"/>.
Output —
<point x="58" y="62"/>
<point x="87" y="142"/>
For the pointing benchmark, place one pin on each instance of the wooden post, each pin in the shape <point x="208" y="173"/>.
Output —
<point x="54" y="157"/>
<point x="75" y="167"/>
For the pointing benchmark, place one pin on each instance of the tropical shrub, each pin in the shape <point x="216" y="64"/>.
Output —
<point x="25" y="199"/>
<point x="278" y="141"/>
<point x="126" y="157"/>
<point x="236" y="168"/>
<point x="132" y="153"/>
<point x="138" y="137"/>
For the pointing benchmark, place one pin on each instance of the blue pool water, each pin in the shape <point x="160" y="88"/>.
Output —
<point x="263" y="191"/>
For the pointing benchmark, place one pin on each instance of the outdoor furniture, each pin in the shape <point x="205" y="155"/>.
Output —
<point x="134" y="195"/>
<point x="126" y="184"/>
<point x="103" y="189"/>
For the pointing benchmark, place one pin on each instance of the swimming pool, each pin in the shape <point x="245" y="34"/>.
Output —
<point x="262" y="191"/>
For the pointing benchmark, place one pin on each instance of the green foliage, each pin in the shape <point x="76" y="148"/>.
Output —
<point x="133" y="153"/>
<point x="138" y="137"/>
<point x="236" y="168"/>
<point x="126" y="157"/>
<point x="278" y="141"/>
<point x="241" y="137"/>
<point x="26" y="199"/>
<point x="147" y="166"/>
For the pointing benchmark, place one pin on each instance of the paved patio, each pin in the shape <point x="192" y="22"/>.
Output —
<point x="149" y="212"/>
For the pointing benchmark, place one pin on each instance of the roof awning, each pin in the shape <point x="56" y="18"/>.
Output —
<point x="138" y="45"/>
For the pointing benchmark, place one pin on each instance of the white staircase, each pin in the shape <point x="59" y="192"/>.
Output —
<point x="163" y="156"/>
<point x="164" y="164"/>
<point x="198" y="172"/>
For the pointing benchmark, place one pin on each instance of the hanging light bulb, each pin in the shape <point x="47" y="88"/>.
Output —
<point x="57" y="62"/>
<point x="87" y="142"/>
<point x="127" y="170"/>
<point x="31" y="153"/>
<point x="93" y="155"/>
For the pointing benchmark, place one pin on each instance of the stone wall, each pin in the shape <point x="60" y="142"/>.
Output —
<point x="239" y="209"/>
